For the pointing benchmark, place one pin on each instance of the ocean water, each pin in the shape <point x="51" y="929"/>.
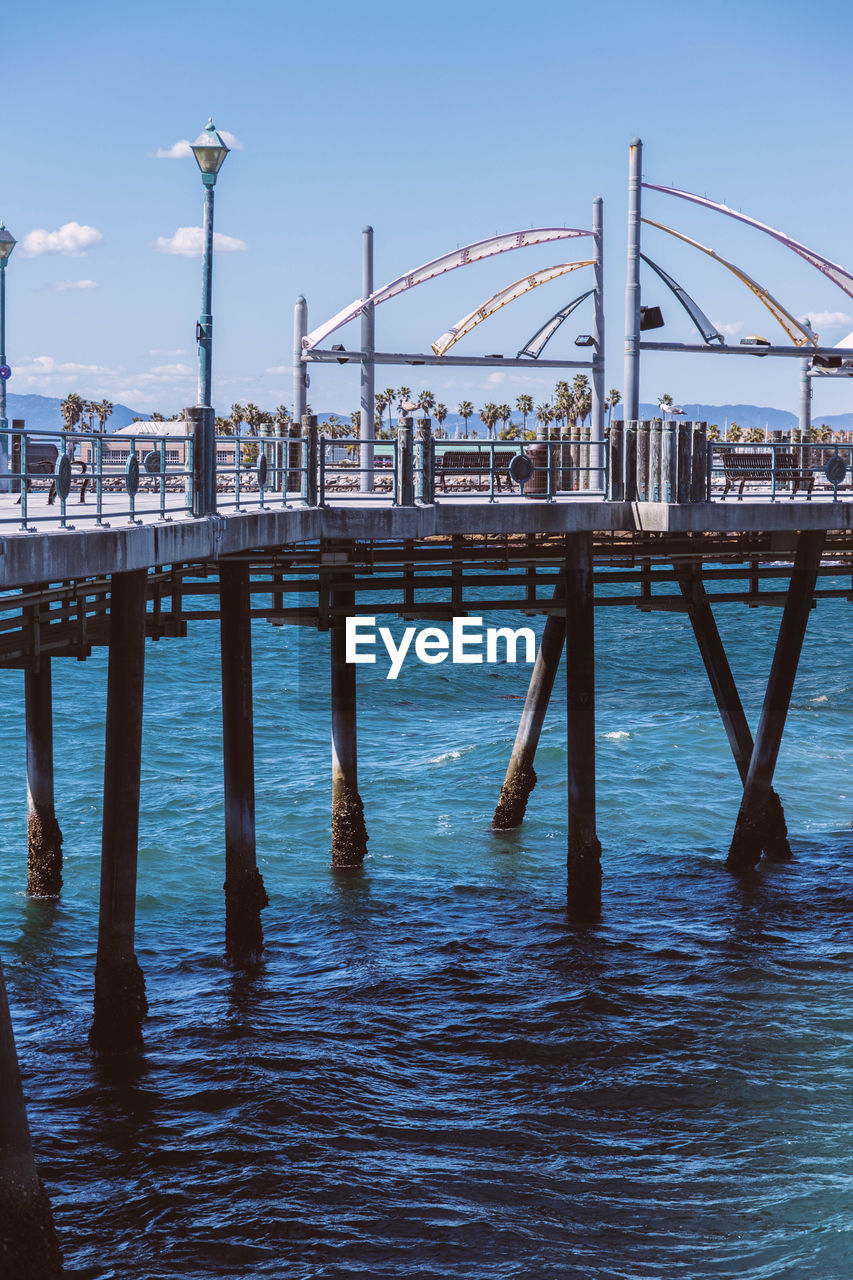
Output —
<point x="435" y="1073"/>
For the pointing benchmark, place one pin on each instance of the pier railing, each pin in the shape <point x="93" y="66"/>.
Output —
<point x="779" y="469"/>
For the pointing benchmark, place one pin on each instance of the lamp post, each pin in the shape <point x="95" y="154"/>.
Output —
<point x="7" y="244"/>
<point x="210" y="152"/>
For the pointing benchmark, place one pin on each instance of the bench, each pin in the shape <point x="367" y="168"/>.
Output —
<point x="466" y="462"/>
<point x="739" y="466"/>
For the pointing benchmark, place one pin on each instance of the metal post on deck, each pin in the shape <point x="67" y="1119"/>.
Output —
<point x="632" y="286"/>
<point x="405" y="464"/>
<point x="44" y="838"/>
<point x="583" y="851"/>
<point x="120" y="1003"/>
<point x="367" y="430"/>
<point x="245" y="896"/>
<point x="748" y="836"/>
<point x="520" y="775"/>
<point x="201" y="422"/>
<point x="595" y="477"/>
<point x="300" y="369"/>
<point x="310" y="451"/>
<point x="424" y="467"/>
<point x="805" y="414"/>
<point x="349" y="832"/>
<point x="29" y="1249"/>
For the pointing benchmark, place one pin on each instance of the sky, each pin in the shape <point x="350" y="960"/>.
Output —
<point x="439" y="126"/>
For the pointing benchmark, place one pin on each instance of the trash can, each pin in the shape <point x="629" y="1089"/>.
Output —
<point x="537" y="485"/>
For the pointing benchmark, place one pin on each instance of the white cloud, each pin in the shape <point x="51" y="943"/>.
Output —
<point x="180" y="150"/>
<point x="163" y="351"/>
<point x="729" y="329"/>
<point x="188" y="242"/>
<point x="75" y="284"/>
<point x="495" y="379"/>
<point x="827" y="319"/>
<point x="280" y="368"/>
<point x="72" y="239"/>
<point x="171" y="371"/>
<point x="46" y="366"/>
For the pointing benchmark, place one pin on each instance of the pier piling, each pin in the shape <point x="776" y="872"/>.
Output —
<point x="120" y="1003"/>
<point x="775" y="831"/>
<point x="245" y="896"/>
<point x="349" y="832"/>
<point x="748" y="836"/>
<point x="584" y="850"/>
<point x="44" y="838"/>
<point x="520" y="775"/>
<point x="29" y="1249"/>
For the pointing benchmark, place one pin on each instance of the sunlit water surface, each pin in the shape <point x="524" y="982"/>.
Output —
<point x="435" y="1073"/>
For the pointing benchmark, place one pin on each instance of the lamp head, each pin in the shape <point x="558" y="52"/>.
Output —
<point x="7" y="243"/>
<point x="210" y="152"/>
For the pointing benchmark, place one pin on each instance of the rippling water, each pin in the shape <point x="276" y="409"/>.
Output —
<point x="435" y="1073"/>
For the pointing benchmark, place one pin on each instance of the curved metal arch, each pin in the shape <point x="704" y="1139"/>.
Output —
<point x="837" y="274"/>
<point x="502" y="299"/>
<point x="543" y="336"/>
<point x="708" y="331"/>
<point x="475" y="252"/>
<point x="792" y="326"/>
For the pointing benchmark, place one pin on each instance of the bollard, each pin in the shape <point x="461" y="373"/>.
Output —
<point x="425" y="469"/>
<point x="615" y="451"/>
<point x="643" y="461"/>
<point x="310" y="446"/>
<point x="683" y="451"/>
<point x="405" y="464"/>
<point x="630" y="462"/>
<point x="668" y="462"/>
<point x="699" y="480"/>
<point x="200" y="420"/>
<point x="655" y="461"/>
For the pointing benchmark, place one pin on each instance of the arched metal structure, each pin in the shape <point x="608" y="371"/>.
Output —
<point x="798" y="333"/>
<point x="543" y="336"/>
<point x="708" y="331"/>
<point x="502" y="299"/>
<point x="475" y="252"/>
<point x="837" y="274"/>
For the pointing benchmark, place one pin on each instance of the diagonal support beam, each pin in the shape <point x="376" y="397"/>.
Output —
<point x="748" y="834"/>
<point x="735" y="723"/>
<point x="520" y="775"/>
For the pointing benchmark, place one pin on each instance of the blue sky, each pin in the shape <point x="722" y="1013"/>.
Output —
<point x="439" y="126"/>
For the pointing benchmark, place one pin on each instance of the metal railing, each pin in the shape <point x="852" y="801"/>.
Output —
<point x="779" y="469"/>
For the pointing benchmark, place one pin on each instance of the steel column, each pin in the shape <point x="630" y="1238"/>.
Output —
<point x="598" y="394"/>
<point x="44" y="838"/>
<point x="584" y="850"/>
<point x="367" y="430"/>
<point x="300" y="369"/>
<point x="632" y="286"/>
<point x="349" y="833"/>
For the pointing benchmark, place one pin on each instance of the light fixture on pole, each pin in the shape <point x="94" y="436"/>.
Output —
<point x="210" y="152"/>
<point x="7" y="244"/>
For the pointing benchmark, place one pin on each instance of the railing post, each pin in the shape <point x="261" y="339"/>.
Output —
<point x="309" y="459"/>
<point x="425" y="474"/>
<point x="630" y="458"/>
<point x="18" y="427"/>
<point x="615" y="477"/>
<point x="405" y="464"/>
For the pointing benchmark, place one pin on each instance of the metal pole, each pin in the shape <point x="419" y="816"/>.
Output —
<point x="368" y="369"/>
<point x="349" y="832"/>
<point x="597" y="431"/>
<point x="584" y="850"/>
<point x="805" y="416"/>
<point x="632" y="286"/>
<point x="44" y="838"/>
<point x="300" y="370"/>
<point x="205" y="323"/>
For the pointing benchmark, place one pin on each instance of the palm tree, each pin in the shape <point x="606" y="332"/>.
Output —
<point x="504" y="415"/>
<point x="380" y="401"/>
<point x="103" y="411"/>
<point x="524" y="405"/>
<point x="489" y="417"/>
<point x="465" y="411"/>
<point x="72" y="408"/>
<point x="282" y="419"/>
<point x="252" y="416"/>
<point x="544" y="414"/>
<point x="440" y="415"/>
<point x="425" y="402"/>
<point x="238" y="414"/>
<point x="611" y="400"/>
<point x="389" y="394"/>
<point x="404" y="394"/>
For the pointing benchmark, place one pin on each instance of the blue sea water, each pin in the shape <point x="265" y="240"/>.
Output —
<point x="435" y="1073"/>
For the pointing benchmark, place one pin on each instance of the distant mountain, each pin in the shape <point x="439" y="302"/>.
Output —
<point x="42" y="413"/>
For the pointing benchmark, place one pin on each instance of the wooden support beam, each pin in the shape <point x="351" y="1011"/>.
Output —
<point x="349" y="832"/>
<point x="520" y="775"/>
<point x="120" y="1003"/>
<point x="245" y="895"/>
<point x="584" y="850"/>
<point x="44" y="838"/>
<point x="748" y="836"/>
<point x="29" y="1249"/>
<point x="775" y="835"/>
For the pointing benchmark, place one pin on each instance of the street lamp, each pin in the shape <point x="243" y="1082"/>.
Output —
<point x="210" y="152"/>
<point x="7" y="244"/>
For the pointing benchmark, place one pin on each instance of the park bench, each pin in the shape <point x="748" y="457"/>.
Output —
<point x="41" y="461"/>
<point x="740" y="466"/>
<point x="466" y="462"/>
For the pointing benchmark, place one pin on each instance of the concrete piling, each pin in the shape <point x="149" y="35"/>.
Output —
<point x="584" y="850"/>
<point x="245" y="895"/>
<point x="748" y="836"/>
<point x="29" y="1249"/>
<point x="120" y="1002"/>
<point x="44" y="838"/>
<point x="349" y="832"/>
<point x="520" y="775"/>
